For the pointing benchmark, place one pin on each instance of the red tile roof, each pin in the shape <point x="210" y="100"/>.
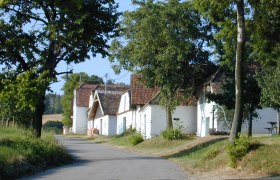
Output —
<point x="140" y="94"/>
<point x="83" y="93"/>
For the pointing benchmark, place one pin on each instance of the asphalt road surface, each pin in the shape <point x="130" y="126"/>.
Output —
<point x="100" y="162"/>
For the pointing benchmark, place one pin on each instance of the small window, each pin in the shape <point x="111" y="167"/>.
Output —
<point x="176" y="119"/>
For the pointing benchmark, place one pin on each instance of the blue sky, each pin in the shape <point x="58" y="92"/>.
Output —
<point x="97" y="65"/>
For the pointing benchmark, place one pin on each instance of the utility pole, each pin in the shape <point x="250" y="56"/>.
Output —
<point x="106" y="78"/>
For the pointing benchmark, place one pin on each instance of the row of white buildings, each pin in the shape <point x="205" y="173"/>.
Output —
<point x="112" y="109"/>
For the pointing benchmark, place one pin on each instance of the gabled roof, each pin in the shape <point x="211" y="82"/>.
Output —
<point x="83" y="93"/>
<point x="109" y="103"/>
<point x="108" y="99"/>
<point x="140" y="94"/>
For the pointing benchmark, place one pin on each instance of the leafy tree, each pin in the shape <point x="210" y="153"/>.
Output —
<point x="53" y="104"/>
<point x="268" y="79"/>
<point x="72" y="82"/>
<point x="266" y="28"/>
<point x="266" y="50"/>
<point x="18" y="95"/>
<point x="37" y="35"/>
<point x="228" y="20"/>
<point x="252" y="91"/>
<point x="163" y="42"/>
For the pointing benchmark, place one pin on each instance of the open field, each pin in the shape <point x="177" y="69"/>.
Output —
<point x="52" y="117"/>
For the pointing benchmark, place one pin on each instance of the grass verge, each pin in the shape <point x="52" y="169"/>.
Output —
<point x="262" y="159"/>
<point x="21" y="153"/>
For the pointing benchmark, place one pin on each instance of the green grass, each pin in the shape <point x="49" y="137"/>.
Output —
<point x="207" y="157"/>
<point x="22" y="153"/>
<point x="263" y="158"/>
<point x="158" y="145"/>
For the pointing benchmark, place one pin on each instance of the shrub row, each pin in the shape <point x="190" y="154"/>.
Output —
<point x="25" y="154"/>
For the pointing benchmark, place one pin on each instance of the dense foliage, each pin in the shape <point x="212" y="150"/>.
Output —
<point x="21" y="153"/>
<point x="237" y="150"/>
<point x="53" y="126"/>
<point x="172" y="134"/>
<point x="164" y="42"/>
<point x="53" y="104"/>
<point x="37" y="35"/>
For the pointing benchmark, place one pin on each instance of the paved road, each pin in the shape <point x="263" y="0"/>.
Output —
<point x="99" y="161"/>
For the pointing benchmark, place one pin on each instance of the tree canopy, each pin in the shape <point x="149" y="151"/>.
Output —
<point x="164" y="42"/>
<point x="37" y="35"/>
<point x="53" y="104"/>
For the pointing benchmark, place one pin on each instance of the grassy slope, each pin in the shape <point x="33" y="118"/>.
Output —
<point x="21" y="153"/>
<point x="263" y="160"/>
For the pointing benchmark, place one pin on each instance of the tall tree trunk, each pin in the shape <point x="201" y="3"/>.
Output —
<point x="38" y="116"/>
<point x="240" y="51"/>
<point x="250" y="124"/>
<point x="169" y="118"/>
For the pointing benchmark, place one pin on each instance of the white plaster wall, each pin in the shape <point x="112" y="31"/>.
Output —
<point x="265" y="115"/>
<point x="204" y="111"/>
<point x="101" y="124"/>
<point x="80" y="120"/>
<point x="90" y="124"/>
<point x="74" y="120"/>
<point x="158" y="120"/>
<point x="106" y="125"/>
<point x="146" y="121"/>
<point x="91" y="100"/>
<point x="112" y="125"/>
<point x="124" y="112"/>
<point x="129" y="121"/>
<point x="187" y="118"/>
<point x="124" y="103"/>
<point x="259" y="124"/>
<point x="137" y="116"/>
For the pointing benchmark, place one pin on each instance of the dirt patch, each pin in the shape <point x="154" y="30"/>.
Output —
<point x="52" y="117"/>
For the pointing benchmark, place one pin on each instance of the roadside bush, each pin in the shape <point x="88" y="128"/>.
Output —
<point x="136" y="138"/>
<point x="237" y="150"/>
<point x="172" y="134"/>
<point x="23" y="153"/>
<point x="54" y="126"/>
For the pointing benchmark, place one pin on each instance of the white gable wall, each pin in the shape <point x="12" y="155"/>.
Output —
<point x="205" y="118"/>
<point x="125" y="118"/>
<point x="124" y="103"/>
<point x="91" y="99"/>
<point x="79" y="118"/>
